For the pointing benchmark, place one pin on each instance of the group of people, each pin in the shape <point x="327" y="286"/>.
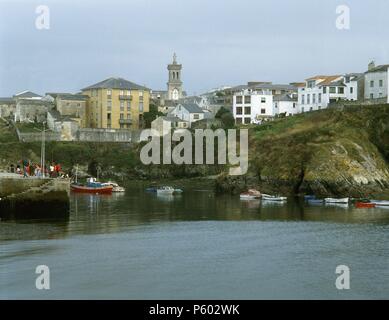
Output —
<point x="29" y="169"/>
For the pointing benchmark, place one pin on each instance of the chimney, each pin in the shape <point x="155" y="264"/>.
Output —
<point x="371" y="65"/>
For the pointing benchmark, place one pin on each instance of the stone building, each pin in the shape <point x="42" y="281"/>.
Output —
<point x="164" y="125"/>
<point x="65" y="125"/>
<point x="31" y="107"/>
<point x="71" y="105"/>
<point x="7" y="107"/>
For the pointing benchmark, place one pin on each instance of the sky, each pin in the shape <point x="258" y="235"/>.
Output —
<point x="218" y="42"/>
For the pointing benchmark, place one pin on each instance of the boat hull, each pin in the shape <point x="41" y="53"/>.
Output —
<point x="84" y="189"/>
<point x="364" y="205"/>
<point x="381" y="203"/>
<point x="337" y="201"/>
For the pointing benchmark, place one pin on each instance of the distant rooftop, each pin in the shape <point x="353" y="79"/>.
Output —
<point x="116" y="83"/>
<point x="192" y="107"/>
<point x="67" y="96"/>
<point x="27" y="94"/>
<point x="381" y="68"/>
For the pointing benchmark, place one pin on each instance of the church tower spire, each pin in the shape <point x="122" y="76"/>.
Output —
<point x="174" y="85"/>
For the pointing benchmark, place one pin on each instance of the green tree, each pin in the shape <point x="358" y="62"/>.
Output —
<point x="150" y="116"/>
<point x="226" y="118"/>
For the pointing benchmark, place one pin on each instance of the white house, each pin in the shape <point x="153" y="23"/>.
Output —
<point x="377" y="83"/>
<point x="286" y="104"/>
<point x="251" y="106"/>
<point x="320" y="91"/>
<point x="188" y="112"/>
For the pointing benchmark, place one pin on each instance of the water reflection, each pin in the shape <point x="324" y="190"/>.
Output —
<point x="91" y="213"/>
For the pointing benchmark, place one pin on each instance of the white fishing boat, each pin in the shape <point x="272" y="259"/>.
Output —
<point x="251" y="194"/>
<point x="247" y="196"/>
<point x="381" y="203"/>
<point x="267" y="197"/>
<point x="115" y="186"/>
<point x="338" y="201"/>
<point x="165" y="190"/>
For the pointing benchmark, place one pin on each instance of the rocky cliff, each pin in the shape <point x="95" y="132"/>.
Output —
<point x="329" y="152"/>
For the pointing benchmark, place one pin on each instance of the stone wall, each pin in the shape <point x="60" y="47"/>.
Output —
<point x="107" y="135"/>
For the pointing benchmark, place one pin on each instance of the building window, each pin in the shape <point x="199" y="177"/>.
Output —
<point x="140" y="93"/>
<point x="239" y="110"/>
<point x="324" y="89"/>
<point x="332" y="89"/>
<point x="351" y="90"/>
<point x="109" y="105"/>
<point x="196" y="116"/>
<point x="247" y="110"/>
<point x="128" y="92"/>
<point x="121" y="105"/>
<point x="319" y="97"/>
<point x="308" y="98"/>
<point x="121" y="93"/>
<point x="129" y="116"/>
<point x="121" y="116"/>
<point x="302" y="99"/>
<point x="121" y="126"/>
<point x="314" y="98"/>
<point x="247" y="120"/>
<point x="371" y="96"/>
<point x="238" y="120"/>
<point x="381" y="83"/>
<point x="247" y="99"/>
<point x="263" y="111"/>
<point x="294" y="105"/>
<point x="108" y="116"/>
<point x="341" y="90"/>
<point x="263" y="100"/>
<point x="128" y="105"/>
<point x="140" y="106"/>
<point x="239" y="99"/>
<point x="109" y="94"/>
<point x="372" y="84"/>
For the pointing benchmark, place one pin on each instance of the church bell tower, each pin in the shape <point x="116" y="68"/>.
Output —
<point x="174" y="85"/>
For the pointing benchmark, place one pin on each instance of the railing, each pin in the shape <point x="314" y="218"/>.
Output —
<point x="125" y="97"/>
<point x="125" y="121"/>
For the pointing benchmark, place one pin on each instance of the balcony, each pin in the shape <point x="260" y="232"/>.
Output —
<point x="125" y="97"/>
<point x="125" y="121"/>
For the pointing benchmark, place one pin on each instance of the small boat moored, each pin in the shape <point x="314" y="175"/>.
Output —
<point x="267" y="197"/>
<point x="381" y="203"/>
<point x="251" y="194"/>
<point x="362" y="205"/>
<point x="247" y="196"/>
<point x="115" y="186"/>
<point x="92" y="186"/>
<point x="165" y="190"/>
<point x="315" y="201"/>
<point x="337" y="201"/>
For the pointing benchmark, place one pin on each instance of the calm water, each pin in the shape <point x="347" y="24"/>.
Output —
<point x="196" y="246"/>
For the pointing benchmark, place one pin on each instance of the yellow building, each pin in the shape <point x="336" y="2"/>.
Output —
<point x="116" y="103"/>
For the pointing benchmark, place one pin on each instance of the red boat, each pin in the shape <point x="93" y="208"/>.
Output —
<point x="365" y="205"/>
<point x="91" y="187"/>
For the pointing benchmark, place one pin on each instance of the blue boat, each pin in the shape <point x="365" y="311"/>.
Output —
<point x="315" y="201"/>
<point x="309" y="197"/>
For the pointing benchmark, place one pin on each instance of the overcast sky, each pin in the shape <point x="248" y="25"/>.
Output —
<point x="219" y="42"/>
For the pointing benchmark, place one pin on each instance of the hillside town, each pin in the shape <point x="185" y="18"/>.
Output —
<point x="114" y="109"/>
